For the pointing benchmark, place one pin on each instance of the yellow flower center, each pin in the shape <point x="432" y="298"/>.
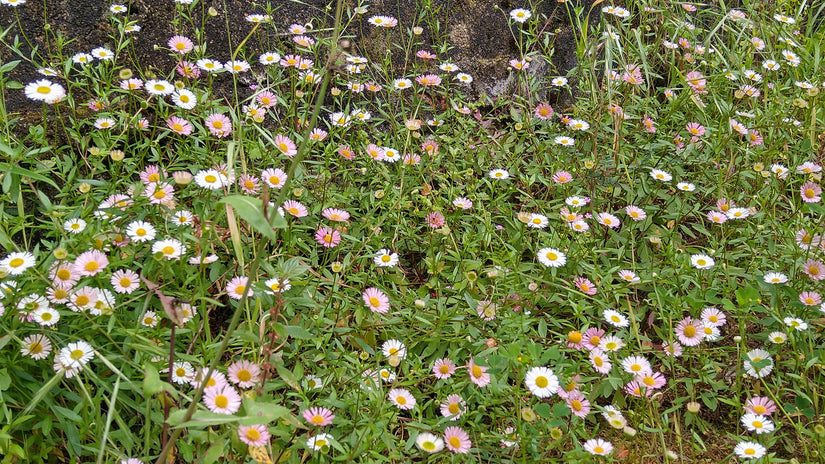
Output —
<point x="16" y="262"/>
<point x="455" y="442"/>
<point x="217" y="124"/>
<point x="444" y="369"/>
<point x="76" y="354"/>
<point x="240" y="289"/>
<point x="690" y="331"/>
<point x="149" y="321"/>
<point x="374" y="301"/>
<point x="168" y="250"/>
<point x="244" y="375"/>
<point x="477" y="372"/>
<point x="64" y="274"/>
<point x="401" y="400"/>
<point x="552" y="256"/>
<point x="60" y="294"/>
<point x="177" y="127"/>
<point x="125" y="282"/>
<point x="453" y="408"/>
<point x="221" y="401"/>
<point x="253" y="434"/>
<point x="541" y="381"/>
<point x="759" y="409"/>
<point x="576" y="405"/>
<point x="82" y="300"/>
<point x="35" y="348"/>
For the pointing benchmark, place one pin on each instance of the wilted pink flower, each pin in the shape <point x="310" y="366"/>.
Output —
<point x="187" y="69"/>
<point x="435" y="220"/>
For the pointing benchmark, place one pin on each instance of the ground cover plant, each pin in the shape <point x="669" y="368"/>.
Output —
<point x="348" y="259"/>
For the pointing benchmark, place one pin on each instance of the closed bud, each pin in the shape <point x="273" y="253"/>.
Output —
<point x="418" y="30"/>
<point x="182" y="177"/>
<point x="212" y="11"/>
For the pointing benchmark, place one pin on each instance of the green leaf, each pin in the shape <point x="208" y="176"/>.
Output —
<point x="262" y="412"/>
<point x="543" y="410"/>
<point x="5" y="379"/>
<point x="151" y="381"/>
<point x="251" y="210"/>
<point x="200" y="419"/>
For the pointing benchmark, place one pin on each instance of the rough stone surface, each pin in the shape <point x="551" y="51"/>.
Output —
<point x="481" y="37"/>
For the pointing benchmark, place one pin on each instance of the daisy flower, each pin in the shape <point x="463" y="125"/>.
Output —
<point x="615" y="318"/>
<point x="254" y="435"/>
<point x="45" y="315"/>
<point x="658" y="174"/>
<point x="385" y="258"/>
<point x="585" y="285"/>
<point x="428" y="442"/>
<point x="295" y="208"/>
<point x="499" y="174"/>
<point x="462" y="203"/>
<point x="401" y="398"/>
<point x="184" y="99"/>
<point x="749" y="450"/>
<point x="45" y="91"/>
<point x="274" y="177"/>
<point x="713" y="316"/>
<point x="238" y="287"/>
<point x="689" y="331"/>
<point x="170" y="248"/>
<point x="140" y="231"/>
<point x="394" y="348"/>
<point x="319" y="442"/>
<point x="149" y="319"/>
<point x="443" y="368"/>
<point x="219" y="125"/>
<point x="520" y="15"/>
<point x="277" y="285"/>
<point x="318" y="416"/>
<point x="74" y="226"/>
<point x="760" y="405"/>
<point x="551" y="257"/>
<point x="757" y="423"/>
<point x="700" y="261"/>
<point x="453" y="407"/>
<point x="328" y="237"/>
<point x="578" y="404"/>
<point x="222" y="399"/>
<point x="457" y="440"/>
<point x="376" y="300"/>
<point x="636" y="365"/>
<point x="182" y="372"/>
<point x="758" y="363"/>
<point x="598" y="447"/>
<point x="628" y="276"/>
<point x="76" y="354"/>
<point x="91" y="262"/>
<point x="36" y="346"/>
<point x="542" y="382"/>
<point x="478" y="374"/>
<point x="600" y="361"/>
<point x="812" y="268"/>
<point x="158" y="87"/>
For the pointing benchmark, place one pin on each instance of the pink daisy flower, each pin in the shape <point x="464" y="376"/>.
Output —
<point x="810" y="298"/>
<point x="585" y="286"/>
<point x="634" y="388"/>
<point x="435" y="220"/>
<point x="376" y="300"/>
<point x="544" y="111"/>
<point x="428" y="80"/>
<point x="402" y="399"/>
<point x="237" y="287"/>
<point x="274" y="177"/>
<point x="267" y="99"/>
<point x="335" y="215"/>
<point x="244" y="374"/>
<point x="609" y="220"/>
<point x="179" y="125"/>
<point x="562" y="177"/>
<point x="295" y="208"/>
<point x="222" y="399"/>
<point x="714" y="317"/>
<point x="248" y="184"/>
<point x="716" y="217"/>
<point x="814" y="269"/>
<point x="601" y="363"/>
<point x="346" y="152"/>
<point x="328" y="237"/>
<point x="635" y="213"/>
<point x="180" y="44"/>
<point x="159" y="192"/>
<point x="254" y="435"/>
<point x="430" y="146"/>
<point x="478" y="374"/>
<point x="689" y="331"/>
<point x="443" y="368"/>
<point x="187" y="69"/>
<point x="578" y="404"/>
<point x="651" y="380"/>
<point x="695" y="129"/>
<point x="811" y="192"/>
<point x="219" y="125"/>
<point x="285" y="145"/>
<point x="453" y="407"/>
<point x="318" y="416"/>
<point x="760" y="405"/>
<point x="125" y="281"/>
<point x="90" y="262"/>
<point x="674" y="349"/>
<point x="592" y="338"/>
<point x="649" y="124"/>
<point x="457" y="440"/>
<point x="318" y="135"/>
